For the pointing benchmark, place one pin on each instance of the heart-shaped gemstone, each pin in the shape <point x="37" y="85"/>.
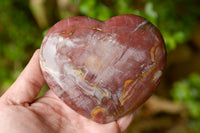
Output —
<point x="103" y="70"/>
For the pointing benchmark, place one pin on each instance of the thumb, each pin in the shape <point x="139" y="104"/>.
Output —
<point x="28" y="84"/>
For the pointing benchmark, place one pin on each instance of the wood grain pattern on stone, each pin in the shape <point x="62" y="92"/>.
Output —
<point x="103" y="70"/>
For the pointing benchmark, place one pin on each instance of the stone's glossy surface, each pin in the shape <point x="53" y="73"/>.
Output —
<point x="103" y="70"/>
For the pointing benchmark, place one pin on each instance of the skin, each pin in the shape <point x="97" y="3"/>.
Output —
<point x="20" y="112"/>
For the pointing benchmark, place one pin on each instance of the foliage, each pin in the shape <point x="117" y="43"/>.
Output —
<point x="175" y="19"/>
<point x="187" y="91"/>
<point x="19" y="36"/>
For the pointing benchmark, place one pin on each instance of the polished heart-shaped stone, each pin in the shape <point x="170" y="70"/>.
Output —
<point x="103" y="70"/>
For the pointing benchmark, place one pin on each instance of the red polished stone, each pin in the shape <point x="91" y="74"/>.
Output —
<point x="103" y="70"/>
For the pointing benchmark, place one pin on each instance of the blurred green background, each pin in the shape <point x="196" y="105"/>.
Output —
<point x="175" y="106"/>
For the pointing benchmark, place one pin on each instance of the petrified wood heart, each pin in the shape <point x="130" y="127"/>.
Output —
<point x="103" y="70"/>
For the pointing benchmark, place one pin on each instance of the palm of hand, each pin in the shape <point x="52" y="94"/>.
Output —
<point x="20" y="113"/>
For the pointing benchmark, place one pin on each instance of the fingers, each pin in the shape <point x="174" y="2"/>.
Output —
<point x="125" y="121"/>
<point x="28" y="84"/>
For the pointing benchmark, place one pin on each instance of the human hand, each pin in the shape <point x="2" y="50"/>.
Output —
<point x="20" y="112"/>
